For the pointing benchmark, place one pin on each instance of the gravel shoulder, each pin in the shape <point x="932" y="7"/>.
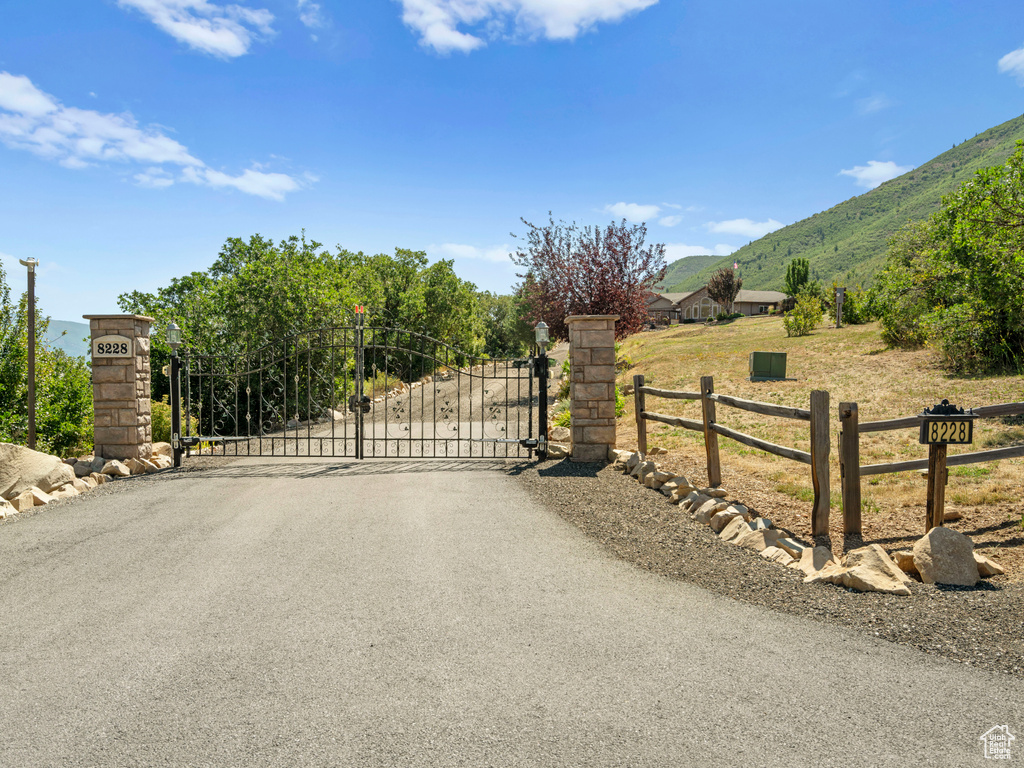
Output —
<point x="979" y="626"/>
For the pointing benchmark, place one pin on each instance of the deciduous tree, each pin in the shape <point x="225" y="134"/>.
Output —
<point x="724" y="286"/>
<point x="574" y="270"/>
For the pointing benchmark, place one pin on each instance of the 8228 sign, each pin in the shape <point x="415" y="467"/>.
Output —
<point x="945" y="431"/>
<point x="112" y="346"/>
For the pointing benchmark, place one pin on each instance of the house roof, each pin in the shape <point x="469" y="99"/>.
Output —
<point x="761" y="297"/>
<point x="675" y="298"/>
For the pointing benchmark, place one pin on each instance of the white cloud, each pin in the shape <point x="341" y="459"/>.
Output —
<point x="438" y="21"/>
<point x="220" y="30"/>
<point x="632" y="211"/>
<point x="875" y="172"/>
<point x="497" y="253"/>
<point x="745" y="227"/>
<point x="311" y="14"/>
<point x="1013" y="63"/>
<point x="670" y="221"/>
<point x="674" y="251"/>
<point x="77" y="138"/>
<point x="872" y="104"/>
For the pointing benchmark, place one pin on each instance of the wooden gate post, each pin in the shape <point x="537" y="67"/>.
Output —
<point x="849" y="467"/>
<point x="639" y="403"/>
<point x="819" y="462"/>
<point x="936" y="508"/>
<point x="707" y="388"/>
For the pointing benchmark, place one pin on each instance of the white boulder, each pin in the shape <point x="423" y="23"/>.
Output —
<point x="22" y="468"/>
<point x="944" y="556"/>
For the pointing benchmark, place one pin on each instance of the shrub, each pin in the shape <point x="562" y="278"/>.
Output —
<point x="160" y="411"/>
<point x="804" y="317"/>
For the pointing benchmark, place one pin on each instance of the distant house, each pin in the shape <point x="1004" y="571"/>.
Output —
<point x="697" y="305"/>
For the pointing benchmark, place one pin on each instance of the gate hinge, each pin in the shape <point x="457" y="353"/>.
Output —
<point x="364" y="404"/>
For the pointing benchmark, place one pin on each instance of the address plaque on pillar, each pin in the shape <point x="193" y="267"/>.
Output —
<point x="112" y="346"/>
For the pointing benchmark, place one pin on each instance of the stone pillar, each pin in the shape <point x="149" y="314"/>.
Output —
<point x="592" y="389"/>
<point x="121" y="386"/>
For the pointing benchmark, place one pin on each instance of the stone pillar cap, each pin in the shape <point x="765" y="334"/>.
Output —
<point x="591" y="317"/>
<point x="118" y="317"/>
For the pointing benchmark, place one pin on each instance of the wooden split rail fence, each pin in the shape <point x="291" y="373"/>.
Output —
<point x="817" y="415"/>
<point x="851" y="470"/>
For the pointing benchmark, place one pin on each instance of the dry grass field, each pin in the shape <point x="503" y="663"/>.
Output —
<point x="852" y="364"/>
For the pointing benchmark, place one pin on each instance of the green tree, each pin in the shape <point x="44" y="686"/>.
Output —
<point x="506" y="331"/>
<point x="804" y="317"/>
<point x="958" y="280"/>
<point x="798" y="274"/>
<point x="63" y="384"/>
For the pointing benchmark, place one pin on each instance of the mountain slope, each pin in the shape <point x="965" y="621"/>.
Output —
<point x="848" y="241"/>
<point x="681" y="269"/>
<point x="74" y="340"/>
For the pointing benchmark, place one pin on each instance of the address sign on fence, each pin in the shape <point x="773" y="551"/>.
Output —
<point x="945" y="423"/>
<point x="112" y="346"/>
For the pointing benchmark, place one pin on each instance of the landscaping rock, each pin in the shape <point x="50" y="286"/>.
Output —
<point x="22" y="468"/>
<point x="6" y="509"/>
<point x="777" y="555"/>
<point x="734" y="529"/>
<point x="791" y="546"/>
<point x="657" y="451"/>
<point x="80" y="485"/>
<point x="814" y="559"/>
<point x="115" y="468"/>
<point x="987" y="567"/>
<point x="761" y="523"/>
<point x="686" y="503"/>
<point x="663" y="477"/>
<point x="558" y="451"/>
<point x="559" y="435"/>
<point x="40" y="497"/>
<point x="90" y="481"/>
<point x="721" y="518"/>
<point x="632" y="461"/>
<point x="99" y="477"/>
<point x="716" y="493"/>
<point x="758" y="540"/>
<point x="944" y="556"/>
<point x="24" y="500"/>
<point x="831" y="573"/>
<point x="677" y="483"/>
<point x="65" y="492"/>
<point x="707" y="510"/>
<point x="165" y="449"/>
<point x="643" y="469"/>
<point x="83" y="467"/>
<point x="162" y="462"/>
<point x="905" y="561"/>
<point x="869" y="569"/>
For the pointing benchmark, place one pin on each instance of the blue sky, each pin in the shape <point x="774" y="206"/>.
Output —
<point x="137" y="135"/>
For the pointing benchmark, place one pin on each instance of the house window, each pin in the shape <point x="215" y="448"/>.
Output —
<point x="762" y="309"/>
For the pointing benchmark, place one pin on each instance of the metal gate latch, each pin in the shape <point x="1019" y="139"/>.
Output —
<point x="364" y="404"/>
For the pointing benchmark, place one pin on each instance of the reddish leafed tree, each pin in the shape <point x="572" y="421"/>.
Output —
<point x="723" y="287"/>
<point x="572" y="270"/>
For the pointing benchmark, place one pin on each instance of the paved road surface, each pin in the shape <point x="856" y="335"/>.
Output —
<point x="342" y="614"/>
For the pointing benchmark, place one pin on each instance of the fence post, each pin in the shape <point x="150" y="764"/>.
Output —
<point x="639" y="403"/>
<point x="849" y="467"/>
<point x="819" y="462"/>
<point x="935" y="509"/>
<point x="707" y="387"/>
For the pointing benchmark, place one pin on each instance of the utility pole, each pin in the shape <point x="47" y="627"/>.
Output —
<point x="31" y="264"/>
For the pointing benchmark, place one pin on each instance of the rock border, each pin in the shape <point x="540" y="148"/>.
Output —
<point x="942" y="556"/>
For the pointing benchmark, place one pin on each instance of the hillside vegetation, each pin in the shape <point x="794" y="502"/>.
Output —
<point x="848" y="241"/>
<point x="680" y="269"/>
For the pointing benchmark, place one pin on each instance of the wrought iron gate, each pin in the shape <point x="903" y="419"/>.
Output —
<point x="359" y="391"/>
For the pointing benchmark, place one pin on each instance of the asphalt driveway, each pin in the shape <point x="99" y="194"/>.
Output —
<point x="307" y="612"/>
